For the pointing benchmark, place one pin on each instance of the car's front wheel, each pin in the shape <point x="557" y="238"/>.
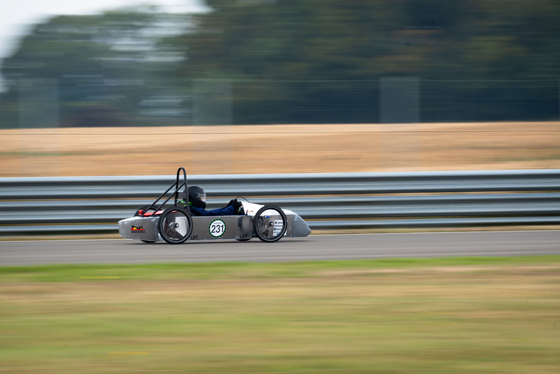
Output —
<point x="270" y="223"/>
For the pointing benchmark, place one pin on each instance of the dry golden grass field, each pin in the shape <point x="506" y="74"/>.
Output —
<point x="279" y="149"/>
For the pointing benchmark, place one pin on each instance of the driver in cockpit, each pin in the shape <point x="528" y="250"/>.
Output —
<point x="197" y="204"/>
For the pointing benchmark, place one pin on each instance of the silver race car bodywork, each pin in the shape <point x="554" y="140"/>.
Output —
<point x="175" y="224"/>
<point x="240" y="227"/>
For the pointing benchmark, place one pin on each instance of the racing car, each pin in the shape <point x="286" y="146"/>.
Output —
<point x="176" y="224"/>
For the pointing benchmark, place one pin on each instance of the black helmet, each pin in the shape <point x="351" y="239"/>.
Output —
<point x="197" y="197"/>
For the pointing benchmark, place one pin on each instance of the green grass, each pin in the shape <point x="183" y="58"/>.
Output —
<point x="228" y="270"/>
<point x="457" y="315"/>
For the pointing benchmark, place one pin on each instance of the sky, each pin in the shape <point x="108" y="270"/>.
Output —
<point x="17" y="16"/>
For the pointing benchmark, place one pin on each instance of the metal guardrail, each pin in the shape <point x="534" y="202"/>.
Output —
<point x="325" y="201"/>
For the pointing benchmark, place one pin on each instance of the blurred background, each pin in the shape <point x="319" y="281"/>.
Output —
<point x="115" y="88"/>
<point x="266" y="86"/>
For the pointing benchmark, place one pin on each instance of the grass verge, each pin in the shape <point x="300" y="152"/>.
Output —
<point x="459" y="315"/>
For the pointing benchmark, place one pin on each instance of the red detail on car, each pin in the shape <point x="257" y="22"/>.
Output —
<point x="150" y="213"/>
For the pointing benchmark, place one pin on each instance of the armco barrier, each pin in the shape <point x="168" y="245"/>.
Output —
<point x="327" y="201"/>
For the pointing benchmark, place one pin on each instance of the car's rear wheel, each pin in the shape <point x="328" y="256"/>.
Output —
<point x="175" y="225"/>
<point x="270" y="223"/>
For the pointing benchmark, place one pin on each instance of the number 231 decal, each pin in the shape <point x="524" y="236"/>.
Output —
<point x="217" y="228"/>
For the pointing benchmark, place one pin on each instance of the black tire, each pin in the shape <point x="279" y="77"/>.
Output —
<point x="175" y="225"/>
<point x="272" y="226"/>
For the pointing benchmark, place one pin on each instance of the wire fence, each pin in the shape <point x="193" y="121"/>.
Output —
<point x="54" y="103"/>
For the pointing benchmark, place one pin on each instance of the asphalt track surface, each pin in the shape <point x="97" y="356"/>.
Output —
<point x="312" y="248"/>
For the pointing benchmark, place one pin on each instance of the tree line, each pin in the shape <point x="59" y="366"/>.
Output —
<point x="287" y="61"/>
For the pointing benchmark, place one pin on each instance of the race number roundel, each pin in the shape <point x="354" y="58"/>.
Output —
<point x="217" y="228"/>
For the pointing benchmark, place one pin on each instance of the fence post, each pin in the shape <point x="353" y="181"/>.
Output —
<point x="212" y="106"/>
<point x="39" y="108"/>
<point x="400" y="100"/>
<point x="400" y="109"/>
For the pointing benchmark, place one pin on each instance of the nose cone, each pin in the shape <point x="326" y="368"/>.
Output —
<point x="300" y="228"/>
